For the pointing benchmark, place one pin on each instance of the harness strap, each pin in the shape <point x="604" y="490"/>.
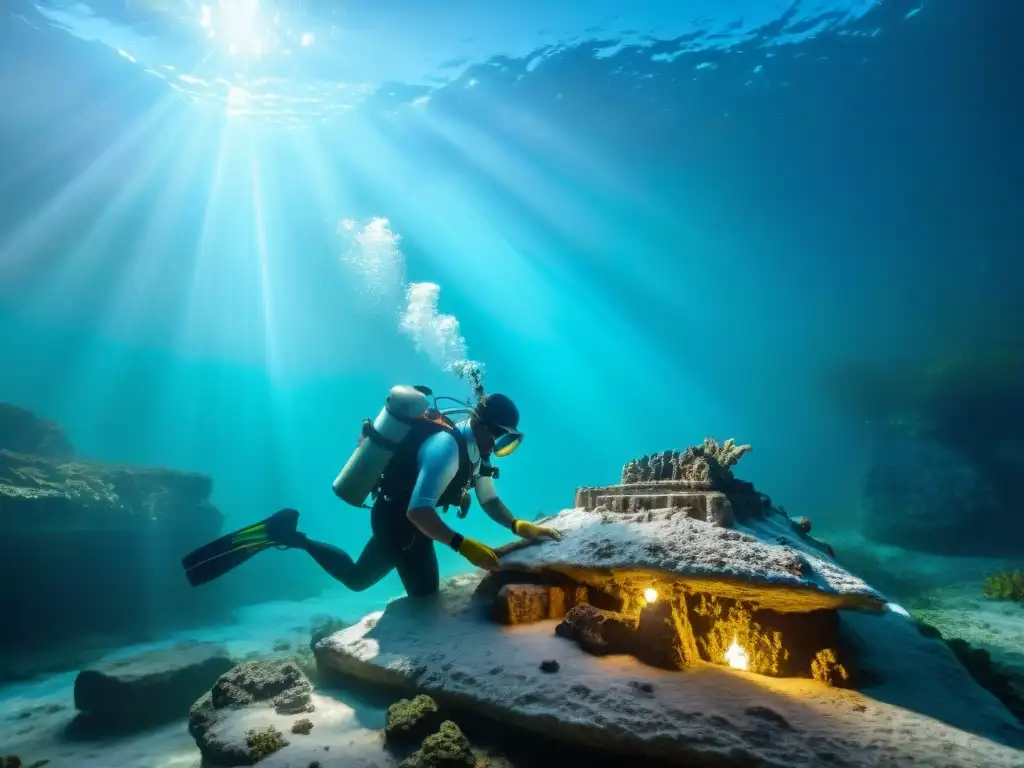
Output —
<point x="370" y="431"/>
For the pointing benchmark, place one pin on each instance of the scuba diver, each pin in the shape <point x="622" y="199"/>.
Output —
<point x="413" y="459"/>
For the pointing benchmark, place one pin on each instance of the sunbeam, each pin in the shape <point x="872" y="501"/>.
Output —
<point x="18" y="248"/>
<point x="267" y="296"/>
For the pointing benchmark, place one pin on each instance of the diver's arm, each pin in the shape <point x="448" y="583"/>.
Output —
<point x="487" y="495"/>
<point x="438" y="464"/>
<point x="499" y="513"/>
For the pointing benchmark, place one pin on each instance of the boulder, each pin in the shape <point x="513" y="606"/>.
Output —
<point x="266" y="712"/>
<point x="140" y="691"/>
<point x="220" y="720"/>
<point x="711" y="715"/>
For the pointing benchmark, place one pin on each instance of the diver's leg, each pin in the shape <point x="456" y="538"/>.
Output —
<point x="417" y="567"/>
<point x="373" y="564"/>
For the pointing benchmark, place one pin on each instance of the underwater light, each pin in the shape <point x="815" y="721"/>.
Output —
<point x="736" y="656"/>
<point x="650" y="594"/>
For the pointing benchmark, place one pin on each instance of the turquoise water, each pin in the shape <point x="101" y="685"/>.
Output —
<point x="649" y="224"/>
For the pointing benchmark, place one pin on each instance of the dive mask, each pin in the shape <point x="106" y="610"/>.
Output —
<point x="506" y="439"/>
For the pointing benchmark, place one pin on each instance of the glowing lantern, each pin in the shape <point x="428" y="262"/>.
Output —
<point x="650" y="594"/>
<point x="736" y="656"/>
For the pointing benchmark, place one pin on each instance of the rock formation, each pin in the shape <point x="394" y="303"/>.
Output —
<point x="140" y="691"/>
<point x="717" y="595"/>
<point x="101" y="541"/>
<point x="226" y="723"/>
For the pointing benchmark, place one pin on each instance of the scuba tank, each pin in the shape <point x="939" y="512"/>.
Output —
<point x="379" y="441"/>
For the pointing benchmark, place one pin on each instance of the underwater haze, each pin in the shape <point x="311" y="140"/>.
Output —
<point x="229" y="228"/>
<point x="651" y="224"/>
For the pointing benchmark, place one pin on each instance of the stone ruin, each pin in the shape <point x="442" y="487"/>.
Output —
<point x="714" y="615"/>
<point x="699" y="481"/>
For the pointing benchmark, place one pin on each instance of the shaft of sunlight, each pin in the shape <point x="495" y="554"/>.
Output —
<point x="18" y="249"/>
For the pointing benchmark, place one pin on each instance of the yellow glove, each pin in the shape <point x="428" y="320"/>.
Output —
<point x="477" y="553"/>
<point x="534" y="532"/>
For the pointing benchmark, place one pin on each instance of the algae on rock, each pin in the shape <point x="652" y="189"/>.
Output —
<point x="409" y="721"/>
<point x="264" y="741"/>
<point x="448" y="748"/>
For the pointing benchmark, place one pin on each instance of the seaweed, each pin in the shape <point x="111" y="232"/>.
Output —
<point x="1006" y="585"/>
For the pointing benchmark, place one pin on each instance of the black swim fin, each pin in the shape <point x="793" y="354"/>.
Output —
<point x="228" y="552"/>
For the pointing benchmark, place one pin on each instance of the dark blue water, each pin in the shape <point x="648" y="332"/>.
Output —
<point x="651" y="225"/>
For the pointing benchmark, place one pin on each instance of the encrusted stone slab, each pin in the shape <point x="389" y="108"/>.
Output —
<point x="763" y="562"/>
<point x="527" y="603"/>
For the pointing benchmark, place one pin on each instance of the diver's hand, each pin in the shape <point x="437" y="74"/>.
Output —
<point x="534" y="532"/>
<point x="478" y="554"/>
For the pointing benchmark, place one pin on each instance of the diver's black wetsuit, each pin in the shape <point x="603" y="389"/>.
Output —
<point x="395" y="543"/>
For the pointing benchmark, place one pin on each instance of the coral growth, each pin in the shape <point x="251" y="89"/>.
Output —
<point x="448" y="748"/>
<point x="1008" y="585"/>
<point x="264" y="741"/>
<point x="825" y="668"/>
<point x="703" y="464"/>
<point x="303" y="726"/>
<point x="764" y="650"/>
<point x="409" y="721"/>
